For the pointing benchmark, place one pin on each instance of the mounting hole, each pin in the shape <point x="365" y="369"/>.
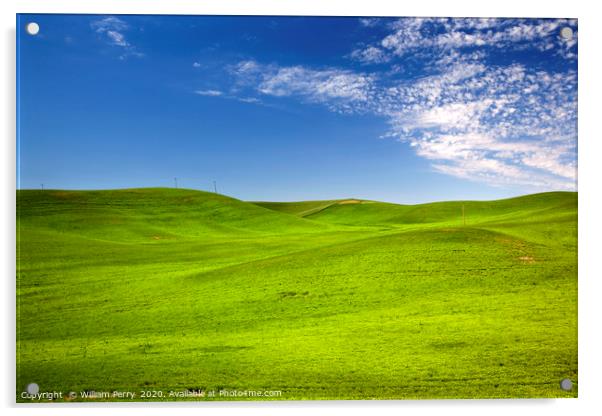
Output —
<point x="566" y="384"/>
<point x="566" y="33"/>
<point x="32" y="388"/>
<point x="32" y="28"/>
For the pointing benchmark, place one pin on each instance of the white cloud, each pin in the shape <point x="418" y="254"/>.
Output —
<point x="229" y="96"/>
<point x="246" y="67"/>
<point x="369" y="21"/>
<point x="414" y="35"/>
<point x="506" y="125"/>
<point x="109" y="23"/>
<point x="315" y="85"/>
<point x="550" y="160"/>
<point x="452" y="116"/>
<point x="370" y="54"/>
<point x="112" y="29"/>
<point x="117" y="38"/>
<point x="406" y="36"/>
<point x="209" y="93"/>
<point x="501" y="125"/>
<point x="196" y="64"/>
<point x="249" y="100"/>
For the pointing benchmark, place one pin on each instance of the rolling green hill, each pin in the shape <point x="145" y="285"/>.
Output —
<point x="180" y="290"/>
<point x="300" y="209"/>
<point x="361" y="212"/>
<point x="141" y="214"/>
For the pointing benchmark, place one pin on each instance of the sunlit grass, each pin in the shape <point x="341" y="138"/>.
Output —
<point x="163" y="289"/>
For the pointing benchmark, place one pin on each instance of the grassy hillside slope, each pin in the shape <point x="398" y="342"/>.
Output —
<point x="173" y="290"/>
<point x="301" y="209"/>
<point x="141" y="214"/>
<point x="361" y="212"/>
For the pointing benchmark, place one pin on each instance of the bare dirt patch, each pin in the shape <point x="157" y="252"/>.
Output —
<point x="527" y="259"/>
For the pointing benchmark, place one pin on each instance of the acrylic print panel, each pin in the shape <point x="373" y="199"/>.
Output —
<point x="295" y="208"/>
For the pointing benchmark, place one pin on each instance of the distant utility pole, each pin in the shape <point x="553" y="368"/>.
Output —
<point x="175" y="180"/>
<point x="42" y="186"/>
<point x="214" y="186"/>
<point x="463" y="216"/>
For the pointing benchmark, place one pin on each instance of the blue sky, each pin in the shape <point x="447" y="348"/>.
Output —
<point x="295" y="108"/>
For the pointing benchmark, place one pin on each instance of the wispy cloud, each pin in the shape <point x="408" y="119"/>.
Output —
<point x="209" y="93"/>
<point x="503" y="125"/>
<point x="334" y="87"/>
<point x="112" y="29"/>
<point x="231" y="95"/>
<point x="412" y="35"/>
<point x="511" y="125"/>
<point x="369" y="21"/>
<point x="370" y="54"/>
<point x="249" y="100"/>
<point x="109" y="23"/>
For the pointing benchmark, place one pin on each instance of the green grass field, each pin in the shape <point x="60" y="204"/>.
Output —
<point x="182" y="290"/>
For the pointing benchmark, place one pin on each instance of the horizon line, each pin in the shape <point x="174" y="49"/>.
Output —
<point x="287" y="202"/>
